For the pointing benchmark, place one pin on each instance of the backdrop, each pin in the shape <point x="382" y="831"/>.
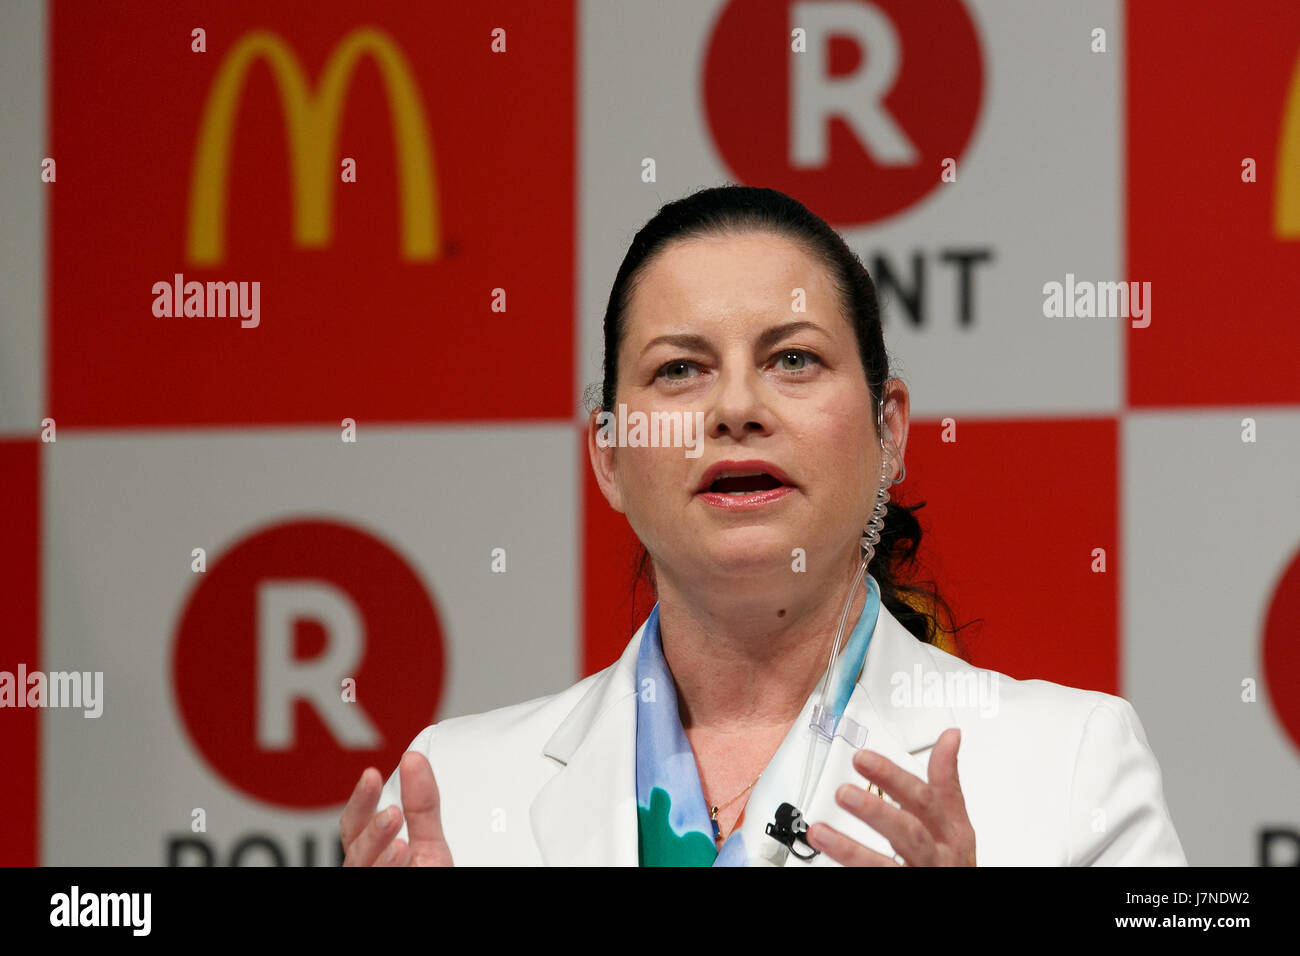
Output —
<point x="278" y="521"/>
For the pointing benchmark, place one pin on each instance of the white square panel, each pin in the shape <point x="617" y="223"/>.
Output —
<point x="122" y="513"/>
<point x="22" y="216"/>
<point x="1039" y="189"/>
<point x="1209" y="525"/>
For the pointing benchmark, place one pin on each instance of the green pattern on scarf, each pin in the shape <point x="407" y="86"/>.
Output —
<point x="658" y="845"/>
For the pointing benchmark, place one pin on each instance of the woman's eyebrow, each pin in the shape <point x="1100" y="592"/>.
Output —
<point x="777" y="332"/>
<point x="768" y="338"/>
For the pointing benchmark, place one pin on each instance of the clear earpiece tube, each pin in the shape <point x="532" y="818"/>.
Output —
<point x="823" y="718"/>
<point x="825" y="724"/>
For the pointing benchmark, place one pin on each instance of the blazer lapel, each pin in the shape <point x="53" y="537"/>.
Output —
<point x="586" y="815"/>
<point x="898" y="727"/>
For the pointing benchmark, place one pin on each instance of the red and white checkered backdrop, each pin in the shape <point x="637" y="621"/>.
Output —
<point x="447" y="298"/>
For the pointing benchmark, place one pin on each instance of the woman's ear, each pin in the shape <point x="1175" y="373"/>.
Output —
<point x="896" y="416"/>
<point x="600" y="448"/>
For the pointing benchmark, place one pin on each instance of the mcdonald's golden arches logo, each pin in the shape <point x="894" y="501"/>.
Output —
<point x="1286" y="209"/>
<point x="313" y="126"/>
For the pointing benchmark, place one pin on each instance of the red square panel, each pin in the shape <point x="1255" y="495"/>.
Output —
<point x="1209" y="86"/>
<point x="20" y="644"/>
<point x="1013" y="513"/>
<point x="615" y="599"/>
<point x="376" y="297"/>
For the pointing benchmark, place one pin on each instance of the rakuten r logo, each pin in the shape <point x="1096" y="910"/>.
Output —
<point x="852" y="106"/>
<point x="307" y="652"/>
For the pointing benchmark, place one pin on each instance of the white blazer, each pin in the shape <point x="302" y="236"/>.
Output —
<point x="1051" y="775"/>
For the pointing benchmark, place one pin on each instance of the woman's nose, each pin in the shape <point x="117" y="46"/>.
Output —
<point x="738" y="406"/>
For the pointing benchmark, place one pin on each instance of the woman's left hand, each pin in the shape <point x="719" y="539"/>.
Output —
<point x="928" y="828"/>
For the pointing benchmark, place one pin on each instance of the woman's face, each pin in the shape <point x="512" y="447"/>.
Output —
<point x="747" y="331"/>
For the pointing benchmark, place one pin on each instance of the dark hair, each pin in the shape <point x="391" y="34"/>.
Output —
<point x="734" y="210"/>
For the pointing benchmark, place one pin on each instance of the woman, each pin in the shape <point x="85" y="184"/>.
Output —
<point x="743" y="311"/>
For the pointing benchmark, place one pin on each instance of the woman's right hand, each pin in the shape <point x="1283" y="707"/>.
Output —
<point x="368" y="837"/>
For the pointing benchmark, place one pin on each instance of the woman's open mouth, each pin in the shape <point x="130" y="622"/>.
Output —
<point x="744" y="489"/>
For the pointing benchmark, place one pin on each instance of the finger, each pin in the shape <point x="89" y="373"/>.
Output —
<point x="910" y="838"/>
<point x="842" y="850"/>
<point x="361" y="805"/>
<point x="943" y="777"/>
<point x="943" y="760"/>
<point x="397" y="854"/>
<point x="937" y="807"/>
<point x="420" y="802"/>
<point x="906" y="789"/>
<point x="957" y="830"/>
<point x="374" y="839"/>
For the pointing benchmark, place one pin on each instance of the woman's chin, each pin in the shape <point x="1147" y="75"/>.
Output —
<point x="748" y="554"/>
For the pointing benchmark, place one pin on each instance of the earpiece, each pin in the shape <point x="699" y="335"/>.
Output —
<point x="890" y="451"/>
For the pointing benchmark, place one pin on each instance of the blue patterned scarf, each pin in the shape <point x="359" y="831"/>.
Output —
<point x="674" y="826"/>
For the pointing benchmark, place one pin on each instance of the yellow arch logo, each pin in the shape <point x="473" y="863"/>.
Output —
<point x="313" y="125"/>
<point x="1286" y="207"/>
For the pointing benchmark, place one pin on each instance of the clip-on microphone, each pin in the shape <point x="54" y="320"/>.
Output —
<point x="789" y="828"/>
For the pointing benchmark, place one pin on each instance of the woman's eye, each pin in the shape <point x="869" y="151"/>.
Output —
<point x="669" y="371"/>
<point x="794" y="360"/>
<point x="789" y="360"/>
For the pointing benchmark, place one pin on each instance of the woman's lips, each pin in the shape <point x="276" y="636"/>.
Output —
<point x="735" y="468"/>
<point x="746" y="502"/>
